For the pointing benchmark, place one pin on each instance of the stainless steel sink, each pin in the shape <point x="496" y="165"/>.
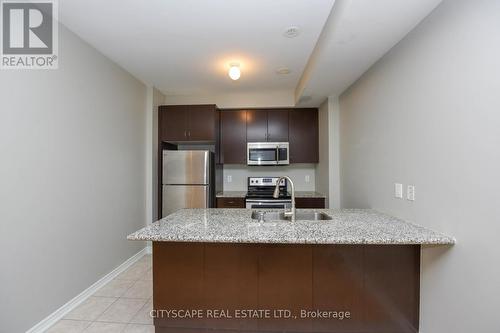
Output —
<point x="312" y="216"/>
<point x="279" y="216"/>
<point x="268" y="216"/>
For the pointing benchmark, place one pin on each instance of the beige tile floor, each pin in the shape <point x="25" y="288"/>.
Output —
<point x="122" y="305"/>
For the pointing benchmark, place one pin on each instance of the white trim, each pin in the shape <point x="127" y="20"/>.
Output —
<point x="51" y="319"/>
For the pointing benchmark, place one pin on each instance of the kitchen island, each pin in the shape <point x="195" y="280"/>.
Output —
<point x="219" y="270"/>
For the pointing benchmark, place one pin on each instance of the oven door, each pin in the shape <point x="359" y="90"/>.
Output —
<point x="268" y="204"/>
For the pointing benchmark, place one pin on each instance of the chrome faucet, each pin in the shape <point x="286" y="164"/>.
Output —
<point x="276" y="194"/>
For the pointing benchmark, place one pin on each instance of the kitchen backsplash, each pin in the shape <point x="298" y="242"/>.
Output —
<point x="303" y="175"/>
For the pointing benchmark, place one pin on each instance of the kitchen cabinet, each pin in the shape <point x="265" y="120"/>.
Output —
<point x="378" y="286"/>
<point x="277" y="125"/>
<point x="291" y="266"/>
<point x="187" y="123"/>
<point x="303" y="135"/>
<point x="267" y="125"/>
<point x="172" y="123"/>
<point x="256" y="126"/>
<point x="227" y="202"/>
<point x="233" y="137"/>
<point x="202" y="122"/>
<point x="309" y="202"/>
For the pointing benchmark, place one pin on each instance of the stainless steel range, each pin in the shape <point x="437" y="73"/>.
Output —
<point x="260" y="193"/>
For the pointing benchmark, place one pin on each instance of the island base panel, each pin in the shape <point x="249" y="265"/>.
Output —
<point x="378" y="285"/>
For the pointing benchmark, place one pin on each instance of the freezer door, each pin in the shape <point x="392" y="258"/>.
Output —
<point x="184" y="196"/>
<point x="186" y="167"/>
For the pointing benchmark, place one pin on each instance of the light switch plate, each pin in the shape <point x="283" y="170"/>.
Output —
<point x="410" y="193"/>
<point x="307" y="178"/>
<point x="398" y="190"/>
<point x="229" y="178"/>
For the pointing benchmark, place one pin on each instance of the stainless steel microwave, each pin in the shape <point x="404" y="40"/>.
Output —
<point x="267" y="153"/>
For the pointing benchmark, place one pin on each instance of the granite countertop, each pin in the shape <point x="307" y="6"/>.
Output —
<point x="231" y="194"/>
<point x="309" y="194"/>
<point x="356" y="226"/>
<point x="242" y="194"/>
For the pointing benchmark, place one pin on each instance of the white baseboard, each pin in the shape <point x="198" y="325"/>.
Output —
<point x="51" y="319"/>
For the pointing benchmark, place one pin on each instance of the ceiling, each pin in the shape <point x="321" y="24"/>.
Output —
<point x="184" y="47"/>
<point x="357" y="34"/>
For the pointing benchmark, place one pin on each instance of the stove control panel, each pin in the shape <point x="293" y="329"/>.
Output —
<point x="265" y="181"/>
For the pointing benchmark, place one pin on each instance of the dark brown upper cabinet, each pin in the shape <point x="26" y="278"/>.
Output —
<point x="172" y="123"/>
<point x="303" y="135"/>
<point x="267" y="125"/>
<point x="233" y="137"/>
<point x="181" y="123"/>
<point x="256" y="126"/>
<point x="277" y="125"/>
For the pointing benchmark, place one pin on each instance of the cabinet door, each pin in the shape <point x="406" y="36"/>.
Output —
<point x="201" y="122"/>
<point x="256" y="126"/>
<point x="230" y="202"/>
<point x="285" y="284"/>
<point x="303" y="135"/>
<point x="233" y="136"/>
<point x="277" y="125"/>
<point x="310" y="202"/>
<point x="172" y="123"/>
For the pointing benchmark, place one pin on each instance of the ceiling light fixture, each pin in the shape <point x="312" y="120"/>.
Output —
<point x="234" y="71"/>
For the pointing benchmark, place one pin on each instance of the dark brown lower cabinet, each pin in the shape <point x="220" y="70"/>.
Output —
<point x="230" y="202"/>
<point x="310" y="202"/>
<point x="359" y="288"/>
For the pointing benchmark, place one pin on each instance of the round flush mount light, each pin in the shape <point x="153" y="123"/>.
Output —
<point x="292" y="31"/>
<point x="234" y="71"/>
<point x="283" y="71"/>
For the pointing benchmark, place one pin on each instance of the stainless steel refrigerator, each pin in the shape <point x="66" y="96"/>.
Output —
<point x="187" y="180"/>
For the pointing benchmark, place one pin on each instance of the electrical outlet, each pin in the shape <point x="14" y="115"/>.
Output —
<point x="398" y="190"/>
<point x="307" y="178"/>
<point x="410" y="192"/>
<point x="229" y="178"/>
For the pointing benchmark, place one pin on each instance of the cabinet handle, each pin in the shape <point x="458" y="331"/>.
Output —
<point x="189" y="133"/>
<point x="185" y="133"/>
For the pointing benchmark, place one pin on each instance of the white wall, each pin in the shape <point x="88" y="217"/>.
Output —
<point x="297" y="172"/>
<point x="322" y="183"/>
<point x="154" y="99"/>
<point x="328" y="168"/>
<point x="279" y="98"/>
<point x="72" y="173"/>
<point x="335" y="187"/>
<point x="428" y="114"/>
